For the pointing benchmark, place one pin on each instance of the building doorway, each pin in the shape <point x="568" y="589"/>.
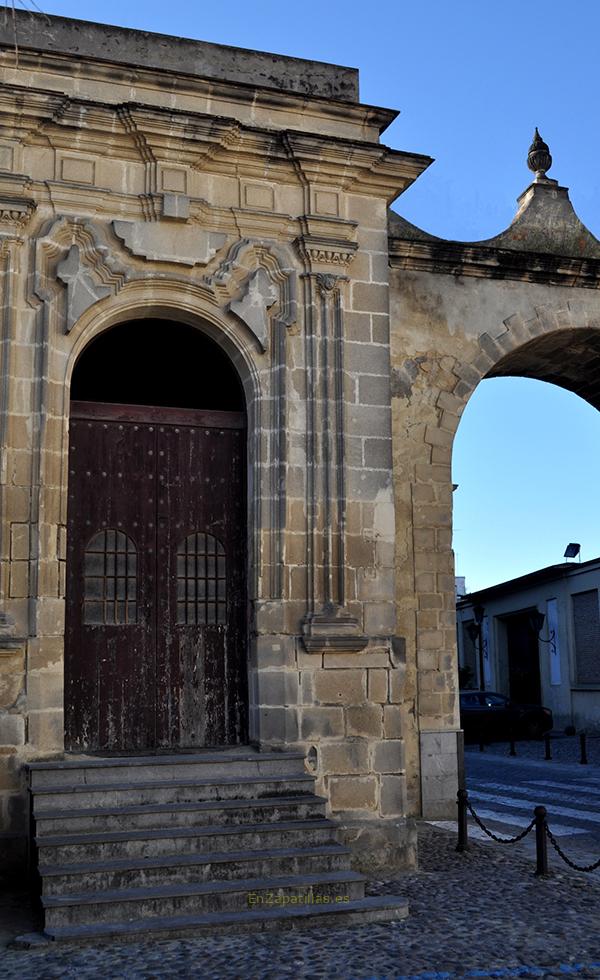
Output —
<point x="156" y="606"/>
<point x="523" y="660"/>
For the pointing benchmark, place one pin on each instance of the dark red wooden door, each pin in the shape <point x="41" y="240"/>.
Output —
<point x="156" y="596"/>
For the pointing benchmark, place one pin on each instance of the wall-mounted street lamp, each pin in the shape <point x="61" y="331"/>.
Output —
<point x="475" y="631"/>
<point x="536" y="621"/>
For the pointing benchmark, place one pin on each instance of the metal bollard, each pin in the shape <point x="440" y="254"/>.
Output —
<point x="463" y="838"/>
<point x="548" y="752"/>
<point x="541" y="844"/>
<point x="481" y="746"/>
<point x="583" y="759"/>
<point x="513" y="750"/>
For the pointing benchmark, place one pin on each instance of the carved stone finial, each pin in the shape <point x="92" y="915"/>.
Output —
<point x="539" y="159"/>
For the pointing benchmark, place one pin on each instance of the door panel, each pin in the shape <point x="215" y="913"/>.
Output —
<point x="201" y="585"/>
<point x="156" y="596"/>
<point x="110" y="494"/>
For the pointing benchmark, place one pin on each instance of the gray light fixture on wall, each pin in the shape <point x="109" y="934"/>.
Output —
<point x="572" y="550"/>
<point x="476" y="633"/>
<point x="536" y="621"/>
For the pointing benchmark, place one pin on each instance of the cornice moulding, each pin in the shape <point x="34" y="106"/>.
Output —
<point x="457" y="259"/>
<point x="199" y="140"/>
<point x="362" y="115"/>
<point x="359" y="166"/>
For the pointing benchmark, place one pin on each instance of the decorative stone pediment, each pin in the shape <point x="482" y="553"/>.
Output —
<point x="257" y="283"/>
<point x="75" y="253"/>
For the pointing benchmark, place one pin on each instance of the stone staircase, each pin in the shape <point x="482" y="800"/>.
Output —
<point x="167" y="846"/>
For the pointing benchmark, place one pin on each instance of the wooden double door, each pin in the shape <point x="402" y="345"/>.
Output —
<point x="156" y="612"/>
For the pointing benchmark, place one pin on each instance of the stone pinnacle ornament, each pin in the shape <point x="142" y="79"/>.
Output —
<point x="539" y="159"/>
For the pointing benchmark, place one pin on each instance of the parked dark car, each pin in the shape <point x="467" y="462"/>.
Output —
<point x="489" y="716"/>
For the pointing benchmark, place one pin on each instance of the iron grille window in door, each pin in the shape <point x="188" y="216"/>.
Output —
<point x="110" y="580"/>
<point x="201" y="581"/>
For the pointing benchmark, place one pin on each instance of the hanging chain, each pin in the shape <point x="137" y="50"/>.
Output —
<point x="561" y="853"/>
<point x="499" y="840"/>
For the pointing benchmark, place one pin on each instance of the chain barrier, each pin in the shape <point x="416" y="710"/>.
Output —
<point x="561" y="853"/>
<point x="543" y="834"/>
<point x="499" y="840"/>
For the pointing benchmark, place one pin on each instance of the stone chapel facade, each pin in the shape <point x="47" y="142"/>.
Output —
<point x="187" y="228"/>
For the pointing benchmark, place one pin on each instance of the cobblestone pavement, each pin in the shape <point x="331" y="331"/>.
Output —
<point x="481" y="914"/>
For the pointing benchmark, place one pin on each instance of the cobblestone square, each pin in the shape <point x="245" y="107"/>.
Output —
<point x="481" y="914"/>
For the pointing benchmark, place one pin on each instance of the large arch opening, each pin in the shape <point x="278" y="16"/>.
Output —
<point x="156" y="610"/>
<point x="157" y="362"/>
<point x="567" y="358"/>
<point x="526" y="464"/>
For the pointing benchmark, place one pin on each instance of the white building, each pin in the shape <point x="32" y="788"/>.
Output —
<point x="557" y="665"/>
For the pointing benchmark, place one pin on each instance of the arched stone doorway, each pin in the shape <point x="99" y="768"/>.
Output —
<point x="156" y="611"/>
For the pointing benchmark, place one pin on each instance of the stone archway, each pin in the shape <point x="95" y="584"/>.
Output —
<point x="551" y="345"/>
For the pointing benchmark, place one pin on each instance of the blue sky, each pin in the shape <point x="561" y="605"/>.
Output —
<point x="472" y="79"/>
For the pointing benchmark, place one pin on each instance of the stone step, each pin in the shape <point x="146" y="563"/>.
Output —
<point x="221" y="812"/>
<point x="223" y="896"/>
<point x="357" y="912"/>
<point x="64" y="849"/>
<point x="87" y="876"/>
<point x="75" y="796"/>
<point x="143" y="769"/>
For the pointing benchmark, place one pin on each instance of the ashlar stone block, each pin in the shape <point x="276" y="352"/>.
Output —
<point x="45" y="689"/>
<point x="392" y="721"/>
<point x="388" y="756"/>
<point x="278" y="725"/>
<point x="277" y="687"/>
<point x="393" y="795"/>
<point x="340" y="686"/>
<point x="365" y="720"/>
<point x="321" y="722"/>
<point x="12" y="729"/>
<point x="349" y="757"/>
<point x="353" y="792"/>
<point x="46" y="730"/>
<point x="378" y="685"/>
